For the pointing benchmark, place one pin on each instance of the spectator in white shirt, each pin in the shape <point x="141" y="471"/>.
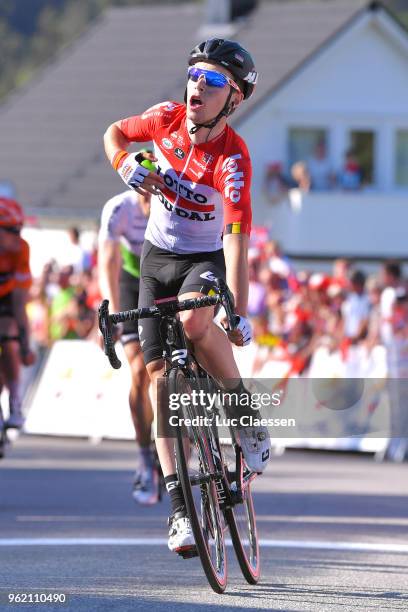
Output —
<point x="74" y="254"/>
<point x="319" y="167"/>
<point x="391" y="279"/>
<point x="356" y="309"/>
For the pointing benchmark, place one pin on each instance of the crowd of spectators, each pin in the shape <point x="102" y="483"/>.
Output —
<point x="293" y="311"/>
<point x="65" y="297"/>
<point x="314" y="174"/>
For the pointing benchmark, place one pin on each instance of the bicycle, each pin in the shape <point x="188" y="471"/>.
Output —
<point x="215" y="480"/>
<point x="4" y="440"/>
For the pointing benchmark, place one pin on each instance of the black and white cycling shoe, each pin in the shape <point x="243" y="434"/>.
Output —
<point x="256" y="446"/>
<point x="181" y="538"/>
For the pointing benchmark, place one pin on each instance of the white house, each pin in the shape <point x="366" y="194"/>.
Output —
<point x="351" y="91"/>
<point x="329" y="70"/>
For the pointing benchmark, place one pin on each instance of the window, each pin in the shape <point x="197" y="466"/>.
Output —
<point x="401" y="158"/>
<point x="303" y="143"/>
<point x="362" y="145"/>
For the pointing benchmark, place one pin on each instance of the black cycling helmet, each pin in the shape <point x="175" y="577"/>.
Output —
<point x="232" y="56"/>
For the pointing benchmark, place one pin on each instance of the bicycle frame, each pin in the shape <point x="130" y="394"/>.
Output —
<point x="177" y="355"/>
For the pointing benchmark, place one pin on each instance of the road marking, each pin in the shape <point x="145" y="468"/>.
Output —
<point x="333" y="520"/>
<point x="81" y="518"/>
<point x="346" y="546"/>
<point x="82" y="541"/>
<point x="299" y="544"/>
<point x="269" y="518"/>
<point x="264" y="518"/>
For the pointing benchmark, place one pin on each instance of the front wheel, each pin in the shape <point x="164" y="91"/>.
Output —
<point x="198" y="480"/>
<point x="240" y="515"/>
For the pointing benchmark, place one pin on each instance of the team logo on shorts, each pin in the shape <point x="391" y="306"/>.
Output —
<point x="167" y="144"/>
<point x="208" y="276"/>
<point x="179" y="153"/>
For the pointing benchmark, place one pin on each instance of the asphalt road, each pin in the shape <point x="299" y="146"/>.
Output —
<point x="334" y="528"/>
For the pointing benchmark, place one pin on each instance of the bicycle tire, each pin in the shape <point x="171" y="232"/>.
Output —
<point x="241" y="520"/>
<point x="202" y="505"/>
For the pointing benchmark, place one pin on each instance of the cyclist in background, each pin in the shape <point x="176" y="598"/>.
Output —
<point x="15" y="281"/>
<point x="121" y="235"/>
<point x="198" y="229"/>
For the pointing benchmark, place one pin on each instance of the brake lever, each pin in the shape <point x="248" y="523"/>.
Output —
<point x="227" y="300"/>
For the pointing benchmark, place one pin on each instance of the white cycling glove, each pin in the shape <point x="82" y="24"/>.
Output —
<point x="130" y="170"/>
<point x="244" y="326"/>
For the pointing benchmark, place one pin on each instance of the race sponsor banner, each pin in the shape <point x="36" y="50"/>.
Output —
<point x="330" y="377"/>
<point x="79" y="394"/>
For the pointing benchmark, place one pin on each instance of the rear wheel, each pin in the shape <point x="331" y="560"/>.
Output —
<point x="198" y="479"/>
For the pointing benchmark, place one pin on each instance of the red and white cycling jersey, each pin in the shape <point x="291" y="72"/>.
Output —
<point x="15" y="269"/>
<point x="207" y="185"/>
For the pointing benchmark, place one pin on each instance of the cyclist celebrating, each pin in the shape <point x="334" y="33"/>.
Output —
<point x="15" y="280"/>
<point x="121" y="235"/>
<point x="199" y="228"/>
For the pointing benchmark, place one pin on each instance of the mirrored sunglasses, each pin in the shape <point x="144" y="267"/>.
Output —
<point x="212" y="77"/>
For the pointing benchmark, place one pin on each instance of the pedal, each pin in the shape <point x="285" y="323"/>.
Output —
<point x="189" y="553"/>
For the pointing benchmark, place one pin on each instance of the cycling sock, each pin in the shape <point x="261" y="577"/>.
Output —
<point x="240" y="388"/>
<point x="146" y="458"/>
<point x="238" y="401"/>
<point x="175" y="491"/>
<point x="14" y="396"/>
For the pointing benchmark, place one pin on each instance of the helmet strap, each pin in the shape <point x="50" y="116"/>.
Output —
<point x="225" y="112"/>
